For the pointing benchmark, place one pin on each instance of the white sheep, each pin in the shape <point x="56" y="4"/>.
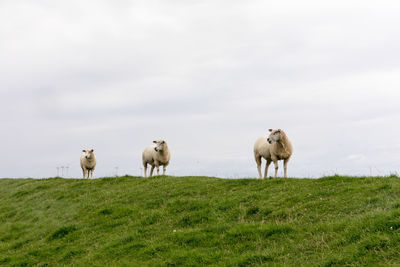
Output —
<point x="156" y="155"/>
<point x="273" y="148"/>
<point x="88" y="163"/>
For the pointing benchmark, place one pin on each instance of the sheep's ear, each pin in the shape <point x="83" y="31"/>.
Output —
<point x="84" y="150"/>
<point x="279" y="130"/>
<point x="155" y="142"/>
<point x="92" y="150"/>
<point x="270" y="130"/>
<point x="163" y="142"/>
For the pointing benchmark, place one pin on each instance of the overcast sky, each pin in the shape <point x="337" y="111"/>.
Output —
<point x="209" y="77"/>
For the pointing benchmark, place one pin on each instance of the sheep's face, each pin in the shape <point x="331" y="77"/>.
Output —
<point x="88" y="153"/>
<point x="160" y="144"/>
<point x="274" y="136"/>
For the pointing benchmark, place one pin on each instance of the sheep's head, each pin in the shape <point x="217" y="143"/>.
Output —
<point x="88" y="153"/>
<point x="160" y="144"/>
<point x="274" y="136"/>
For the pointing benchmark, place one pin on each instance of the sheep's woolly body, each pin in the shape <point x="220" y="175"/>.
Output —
<point x="88" y="164"/>
<point x="272" y="152"/>
<point x="282" y="149"/>
<point x="156" y="158"/>
<point x="151" y="156"/>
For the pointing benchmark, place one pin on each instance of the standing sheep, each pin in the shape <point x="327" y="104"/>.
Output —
<point x="276" y="147"/>
<point x="88" y="163"/>
<point x="156" y="155"/>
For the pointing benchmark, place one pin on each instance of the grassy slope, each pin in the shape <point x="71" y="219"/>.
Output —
<point x="200" y="221"/>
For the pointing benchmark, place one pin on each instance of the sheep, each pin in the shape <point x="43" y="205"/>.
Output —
<point x="273" y="148"/>
<point x="156" y="155"/>
<point x="88" y="163"/>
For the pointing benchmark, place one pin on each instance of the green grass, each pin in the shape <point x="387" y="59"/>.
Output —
<point x="199" y="221"/>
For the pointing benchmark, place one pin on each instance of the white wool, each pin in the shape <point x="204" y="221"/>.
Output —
<point x="279" y="148"/>
<point x="156" y="155"/>
<point x="88" y="163"/>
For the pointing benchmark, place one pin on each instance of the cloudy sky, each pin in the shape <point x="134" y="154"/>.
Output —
<point x="209" y="77"/>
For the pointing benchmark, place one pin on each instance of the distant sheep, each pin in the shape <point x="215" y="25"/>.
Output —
<point x="276" y="147"/>
<point x="88" y="163"/>
<point x="156" y="155"/>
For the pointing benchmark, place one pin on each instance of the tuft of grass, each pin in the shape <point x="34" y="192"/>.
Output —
<point x="62" y="231"/>
<point x="199" y="221"/>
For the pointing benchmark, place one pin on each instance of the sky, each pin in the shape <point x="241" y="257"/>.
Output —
<point x="209" y="77"/>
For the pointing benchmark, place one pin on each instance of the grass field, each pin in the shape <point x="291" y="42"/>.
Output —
<point x="198" y="221"/>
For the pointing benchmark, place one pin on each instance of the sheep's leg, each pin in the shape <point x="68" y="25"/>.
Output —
<point x="285" y="162"/>
<point x="165" y="167"/>
<point x="145" y="169"/>
<point x="157" y="166"/>
<point x="158" y="170"/>
<point x="258" y="161"/>
<point x="266" y="168"/>
<point x="151" y="171"/>
<point x="84" y="172"/>
<point x="276" y="168"/>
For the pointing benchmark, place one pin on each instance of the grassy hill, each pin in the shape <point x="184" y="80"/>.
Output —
<point x="189" y="221"/>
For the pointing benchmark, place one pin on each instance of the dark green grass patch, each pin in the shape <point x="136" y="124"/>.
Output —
<point x="62" y="231"/>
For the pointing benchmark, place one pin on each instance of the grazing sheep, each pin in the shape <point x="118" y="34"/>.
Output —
<point x="88" y="163"/>
<point x="156" y="155"/>
<point x="276" y="147"/>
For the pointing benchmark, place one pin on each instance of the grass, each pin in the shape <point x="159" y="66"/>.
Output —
<point x="198" y="221"/>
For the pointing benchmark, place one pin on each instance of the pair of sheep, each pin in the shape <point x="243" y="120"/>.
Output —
<point x="276" y="147"/>
<point x="156" y="155"/>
